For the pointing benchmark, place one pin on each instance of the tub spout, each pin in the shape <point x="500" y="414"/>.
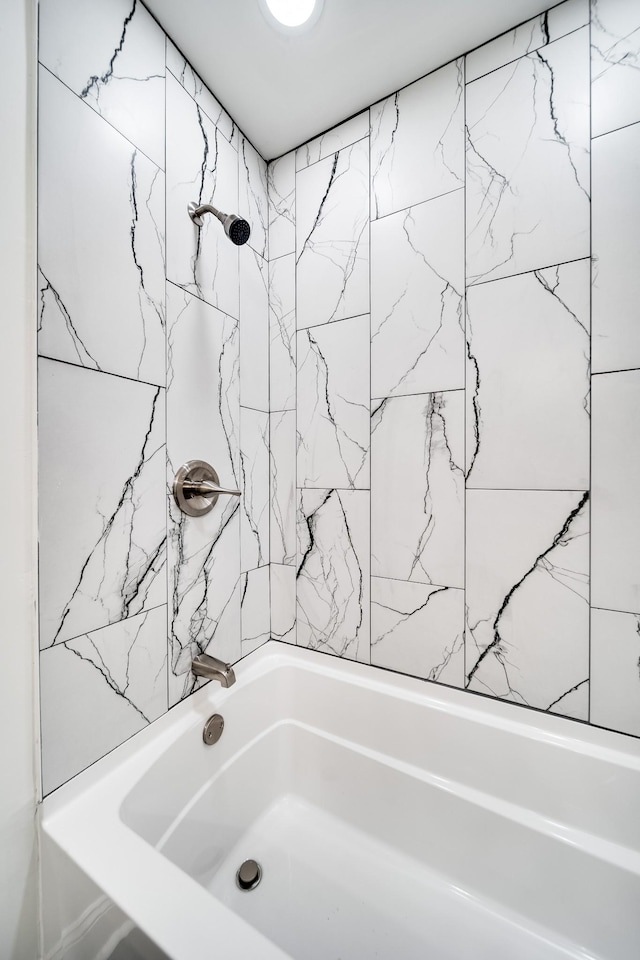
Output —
<point x="212" y="669"/>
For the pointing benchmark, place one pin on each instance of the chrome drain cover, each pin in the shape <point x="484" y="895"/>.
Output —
<point x="249" y="875"/>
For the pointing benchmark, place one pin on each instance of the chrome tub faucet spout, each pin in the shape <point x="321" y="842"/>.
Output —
<point x="213" y="669"/>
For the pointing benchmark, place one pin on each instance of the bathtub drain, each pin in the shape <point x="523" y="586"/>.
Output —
<point x="249" y="875"/>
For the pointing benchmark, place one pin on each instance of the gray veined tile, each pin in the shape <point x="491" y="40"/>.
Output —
<point x="112" y="56"/>
<point x="615" y="675"/>
<point x="417" y="299"/>
<point x="202" y="168"/>
<point x="254" y="473"/>
<point x="527" y="37"/>
<point x="615" y="64"/>
<point x="98" y="689"/>
<point x="282" y="331"/>
<point x="333" y="140"/>
<point x="282" y="451"/>
<point x="616" y="241"/>
<point x="417" y="141"/>
<point x="101" y="243"/>
<point x="254" y="330"/>
<point x="528" y="380"/>
<point x="102" y="501"/>
<point x="417" y="488"/>
<point x="333" y="405"/>
<point x="283" y="603"/>
<point x="527" y="598"/>
<point x="253" y="203"/>
<point x="615" y="511"/>
<point x="332" y="237"/>
<point x="254" y="609"/>
<point x="203" y="415"/>
<point x="418" y="629"/>
<point x="333" y="572"/>
<point x="528" y="162"/>
<point x="196" y="88"/>
<point x="281" y="190"/>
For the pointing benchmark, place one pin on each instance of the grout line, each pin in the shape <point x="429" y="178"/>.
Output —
<point x="524" y="273"/>
<point x="608" y="373"/>
<point x="528" y="53"/>
<point x="418" y="203"/>
<point x="105" y="373"/>
<point x="625" y="126"/>
<point x="590" y="514"/>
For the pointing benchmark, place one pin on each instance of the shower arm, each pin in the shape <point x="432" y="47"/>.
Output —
<point x="196" y="212"/>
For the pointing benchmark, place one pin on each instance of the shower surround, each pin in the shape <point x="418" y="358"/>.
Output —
<point x="397" y="370"/>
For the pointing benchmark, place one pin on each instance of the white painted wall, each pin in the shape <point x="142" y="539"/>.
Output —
<point x="18" y="794"/>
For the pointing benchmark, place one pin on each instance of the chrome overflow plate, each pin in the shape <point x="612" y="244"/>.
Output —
<point x="213" y="729"/>
<point x="196" y="488"/>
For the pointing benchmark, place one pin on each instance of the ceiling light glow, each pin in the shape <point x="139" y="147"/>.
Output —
<point x="291" y="13"/>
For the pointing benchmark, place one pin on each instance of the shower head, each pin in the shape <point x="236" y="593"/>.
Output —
<point x="237" y="229"/>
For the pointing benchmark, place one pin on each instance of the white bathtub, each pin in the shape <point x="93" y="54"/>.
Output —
<point x="392" y="819"/>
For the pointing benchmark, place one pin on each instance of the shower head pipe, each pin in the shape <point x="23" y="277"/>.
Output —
<point x="236" y="228"/>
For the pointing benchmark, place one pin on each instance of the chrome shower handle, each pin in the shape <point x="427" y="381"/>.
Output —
<point x="196" y="488"/>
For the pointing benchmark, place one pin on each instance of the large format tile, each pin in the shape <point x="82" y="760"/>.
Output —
<point x="98" y="689"/>
<point x="527" y="598"/>
<point x="281" y="190"/>
<point x="282" y="451"/>
<point x="283" y="603"/>
<point x="417" y="141"/>
<point x="527" y="37"/>
<point x="202" y="168"/>
<point x="333" y="572"/>
<point x="196" y="88"/>
<point x="616" y="242"/>
<point x="528" y="162"/>
<point x="333" y="140"/>
<point x="333" y="405"/>
<point x="417" y="291"/>
<point x="615" y="679"/>
<point x="112" y="56"/>
<point x="202" y="424"/>
<point x="254" y="473"/>
<point x="254" y="609"/>
<point x="615" y="64"/>
<point x="418" y="629"/>
<point x="282" y="331"/>
<point x="102" y="500"/>
<point x="254" y="330"/>
<point x="615" y="512"/>
<point x="332" y="237"/>
<point x="253" y="203"/>
<point x="100" y="244"/>
<point x="528" y="380"/>
<point x="417" y="488"/>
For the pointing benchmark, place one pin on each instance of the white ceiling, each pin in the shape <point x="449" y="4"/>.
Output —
<point x="284" y="89"/>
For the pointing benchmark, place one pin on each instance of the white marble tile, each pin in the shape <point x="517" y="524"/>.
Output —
<point x="417" y="488"/>
<point x="615" y="64"/>
<point x="528" y="162"/>
<point x="333" y="405"/>
<point x="528" y="380"/>
<point x="101" y="243"/>
<point x="202" y="423"/>
<point x="417" y="141"/>
<point x="332" y="237"/>
<point x="527" y="592"/>
<point x="418" y="629"/>
<point x="112" y="56"/>
<point x="254" y="474"/>
<point x="102" y="500"/>
<point x="196" y="88"/>
<point x="283" y="603"/>
<point x="253" y="203"/>
<point x="615" y="224"/>
<point x="333" y="591"/>
<point x="615" y="511"/>
<point x="202" y="168"/>
<point x="282" y="330"/>
<point x="417" y="299"/>
<point x="97" y="690"/>
<point x="281" y="190"/>
<point x="254" y="330"/>
<point x="333" y="140"/>
<point x="615" y="680"/>
<point x="254" y="609"/>
<point x="527" y="37"/>
<point x="283" y="487"/>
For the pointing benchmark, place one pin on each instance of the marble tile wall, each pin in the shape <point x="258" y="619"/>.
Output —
<point x="460" y="262"/>
<point x="153" y="338"/>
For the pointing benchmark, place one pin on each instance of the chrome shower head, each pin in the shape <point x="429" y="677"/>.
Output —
<point x="237" y="229"/>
